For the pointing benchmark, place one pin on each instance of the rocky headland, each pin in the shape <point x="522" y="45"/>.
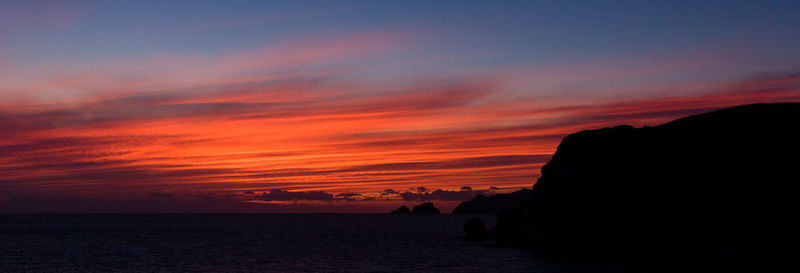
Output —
<point x="493" y="204"/>
<point x="718" y="184"/>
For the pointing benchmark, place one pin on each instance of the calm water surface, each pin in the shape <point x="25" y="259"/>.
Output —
<point x="262" y="243"/>
<point x="248" y="243"/>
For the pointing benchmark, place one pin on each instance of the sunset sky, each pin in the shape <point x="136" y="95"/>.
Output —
<point x="351" y="106"/>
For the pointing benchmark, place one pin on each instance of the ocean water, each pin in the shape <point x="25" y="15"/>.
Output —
<point x="250" y="243"/>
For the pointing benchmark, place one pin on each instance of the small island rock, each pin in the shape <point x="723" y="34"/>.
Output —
<point x="425" y="208"/>
<point x="401" y="210"/>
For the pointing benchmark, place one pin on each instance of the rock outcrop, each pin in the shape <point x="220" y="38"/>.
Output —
<point x="401" y="210"/>
<point x="425" y="208"/>
<point x="715" y="184"/>
<point x="493" y="204"/>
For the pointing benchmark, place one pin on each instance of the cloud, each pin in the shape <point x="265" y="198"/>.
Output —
<point x="348" y="196"/>
<point x="224" y="124"/>
<point x="462" y="163"/>
<point x="281" y="195"/>
<point x="465" y="193"/>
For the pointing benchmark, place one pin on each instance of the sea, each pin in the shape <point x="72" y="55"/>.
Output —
<point x="256" y="243"/>
<point x="247" y="243"/>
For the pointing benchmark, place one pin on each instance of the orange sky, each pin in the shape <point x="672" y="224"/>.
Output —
<point x="324" y="124"/>
<point x="237" y="142"/>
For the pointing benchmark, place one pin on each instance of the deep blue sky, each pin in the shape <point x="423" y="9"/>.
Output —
<point x="516" y="31"/>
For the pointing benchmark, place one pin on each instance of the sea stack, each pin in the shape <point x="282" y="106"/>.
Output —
<point x="425" y="208"/>
<point x="401" y="210"/>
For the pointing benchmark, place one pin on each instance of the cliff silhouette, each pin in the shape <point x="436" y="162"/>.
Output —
<point x="493" y="204"/>
<point x="718" y="184"/>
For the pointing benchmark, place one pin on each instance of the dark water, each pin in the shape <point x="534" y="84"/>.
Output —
<point x="248" y="243"/>
<point x="263" y="243"/>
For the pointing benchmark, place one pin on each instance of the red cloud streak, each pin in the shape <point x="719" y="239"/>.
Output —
<point x="221" y="150"/>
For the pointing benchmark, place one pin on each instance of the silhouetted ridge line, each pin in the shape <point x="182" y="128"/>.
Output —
<point x="710" y="185"/>
<point x="493" y="204"/>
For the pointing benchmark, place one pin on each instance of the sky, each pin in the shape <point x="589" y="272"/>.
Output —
<point x="351" y="106"/>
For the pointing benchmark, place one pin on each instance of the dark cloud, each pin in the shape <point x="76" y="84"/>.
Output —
<point x="466" y="163"/>
<point x="440" y="140"/>
<point x="127" y="174"/>
<point x="390" y="191"/>
<point x="78" y="145"/>
<point x="422" y="189"/>
<point x="410" y="196"/>
<point x="281" y="195"/>
<point x="347" y="196"/>
<point x="494" y="188"/>
<point x="118" y="111"/>
<point x="464" y="194"/>
<point x="474" y="162"/>
<point x="167" y="104"/>
<point x="249" y="192"/>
